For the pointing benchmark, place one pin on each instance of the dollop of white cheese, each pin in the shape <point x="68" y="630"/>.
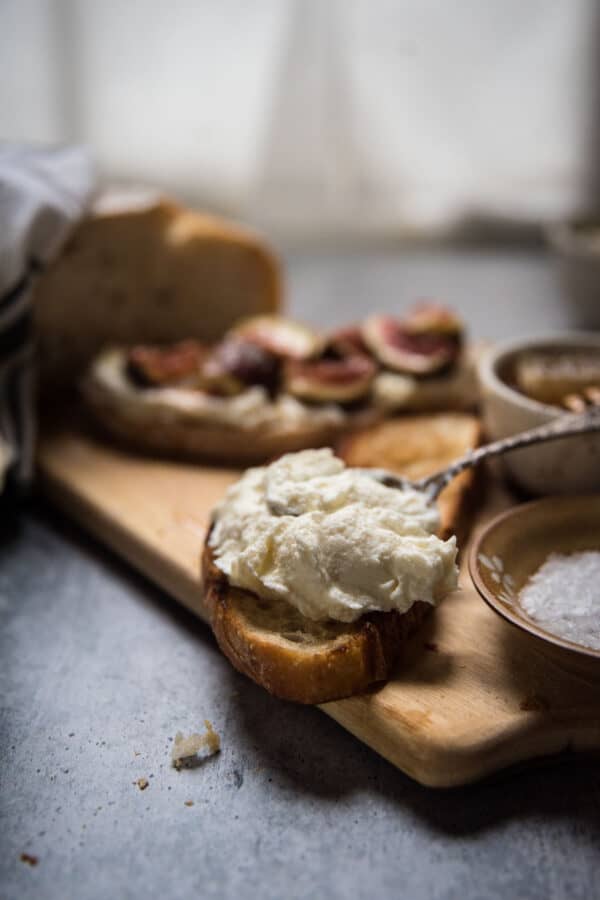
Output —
<point x="330" y="540"/>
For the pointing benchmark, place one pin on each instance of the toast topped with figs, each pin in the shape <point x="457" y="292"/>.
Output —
<point x="272" y="385"/>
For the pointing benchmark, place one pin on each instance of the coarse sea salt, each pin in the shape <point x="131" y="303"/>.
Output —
<point x="563" y="596"/>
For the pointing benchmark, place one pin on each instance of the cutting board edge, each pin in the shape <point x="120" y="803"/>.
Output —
<point x="437" y="763"/>
<point x="162" y="571"/>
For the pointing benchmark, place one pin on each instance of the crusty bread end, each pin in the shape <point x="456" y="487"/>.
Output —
<point x="147" y="272"/>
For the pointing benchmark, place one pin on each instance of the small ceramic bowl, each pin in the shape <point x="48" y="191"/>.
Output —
<point x="567" y="466"/>
<point x="516" y="543"/>
<point x="576" y="247"/>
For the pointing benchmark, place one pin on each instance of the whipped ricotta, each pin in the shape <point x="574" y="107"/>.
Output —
<point x="330" y="540"/>
<point x="457" y="389"/>
<point x="252" y="408"/>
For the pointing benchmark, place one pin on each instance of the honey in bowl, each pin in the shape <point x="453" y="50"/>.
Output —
<point x="555" y="376"/>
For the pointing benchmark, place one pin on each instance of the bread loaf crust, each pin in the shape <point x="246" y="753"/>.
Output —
<point x="148" y="272"/>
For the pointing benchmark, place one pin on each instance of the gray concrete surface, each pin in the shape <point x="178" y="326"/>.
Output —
<point x="99" y="670"/>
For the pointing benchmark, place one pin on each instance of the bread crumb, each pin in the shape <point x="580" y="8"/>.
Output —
<point x="188" y="803"/>
<point x="142" y="783"/>
<point x="29" y="859"/>
<point x="186" y="750"/>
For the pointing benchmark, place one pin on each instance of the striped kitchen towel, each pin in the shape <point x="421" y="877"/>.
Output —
<point x="43" y="194"/>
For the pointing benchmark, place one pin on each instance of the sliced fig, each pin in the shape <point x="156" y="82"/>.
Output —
<point x="347" y="341"/>
<point x="330" y="380"/>
<point x="429" y="317"/>
<point x="402" y="351"/>
<point x="151" y="366"/>
<point x="235" y="364"/>
<point x="281" y="336"/>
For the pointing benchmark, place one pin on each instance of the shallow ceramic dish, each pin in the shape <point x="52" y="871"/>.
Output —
<point x="517" y="542"/>
<point x="568" y="466"/>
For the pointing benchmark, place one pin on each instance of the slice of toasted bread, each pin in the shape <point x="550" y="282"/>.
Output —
<point x="180" y="437"/>
<point x="177" y="424"/>
<point x="419" y="445"/>
<point x="313" y="662"/>
<point x="295" y="658"/>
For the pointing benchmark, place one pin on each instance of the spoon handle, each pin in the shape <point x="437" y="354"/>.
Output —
<point x="558" y="428"/>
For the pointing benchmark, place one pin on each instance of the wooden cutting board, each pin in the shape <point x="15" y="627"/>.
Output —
<point x="474" y="694"/>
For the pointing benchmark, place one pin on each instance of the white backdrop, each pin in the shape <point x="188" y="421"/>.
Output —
<point x="315" y="116"/>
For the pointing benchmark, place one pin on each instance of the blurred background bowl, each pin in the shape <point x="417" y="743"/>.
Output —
<point x="576" y="246"/>
<point x="569" y="465"/>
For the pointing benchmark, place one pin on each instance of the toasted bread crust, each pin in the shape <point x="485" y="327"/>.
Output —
<point x="362" y="654"/>
<point x="185" y="439"/>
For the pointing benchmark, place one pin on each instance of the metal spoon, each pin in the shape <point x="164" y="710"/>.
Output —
<point x="433" y="485"/>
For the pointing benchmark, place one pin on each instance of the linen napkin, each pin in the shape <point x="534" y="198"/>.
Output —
<point x="44" y="191"/>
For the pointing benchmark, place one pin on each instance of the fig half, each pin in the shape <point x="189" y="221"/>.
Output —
<point x="399" y="349"/>
<point x="283" y="337"/>
<point x="428" y="317"/>
<point x="347" y="341"/>
<point x="235" y="364"/>
<point x="330" y="380"/>
<point x="151" y="366"/>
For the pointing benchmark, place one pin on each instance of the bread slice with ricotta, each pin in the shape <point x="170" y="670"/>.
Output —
<point x="295" y="658"/>
<point x="298" y="659"/>
<point x="188" y="424"/>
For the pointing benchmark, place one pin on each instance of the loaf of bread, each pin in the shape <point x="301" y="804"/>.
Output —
<point x="141" y="268"/>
